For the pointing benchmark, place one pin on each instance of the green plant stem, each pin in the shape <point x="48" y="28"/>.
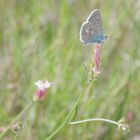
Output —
<point x="95" y="119"/>
<point x="16" y="119"/>
<point x="15" y="136"/>
<point x="70" y="114"/>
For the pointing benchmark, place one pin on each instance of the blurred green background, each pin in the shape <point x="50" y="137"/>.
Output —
<point x="39" y="39"/>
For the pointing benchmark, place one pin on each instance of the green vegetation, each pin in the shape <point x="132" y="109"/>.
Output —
<point x="39" y="39"/>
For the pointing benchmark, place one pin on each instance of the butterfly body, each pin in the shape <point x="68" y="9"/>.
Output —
<point x="91" y="31"/>
<point x="99" y="39"/>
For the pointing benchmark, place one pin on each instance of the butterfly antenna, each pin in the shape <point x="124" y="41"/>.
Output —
<point x="114" y="38"/>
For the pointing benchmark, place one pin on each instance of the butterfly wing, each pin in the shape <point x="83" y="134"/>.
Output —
<point x="87" y="33"/>
<point x="92" y="31"/>
<point x="95" y="19"/>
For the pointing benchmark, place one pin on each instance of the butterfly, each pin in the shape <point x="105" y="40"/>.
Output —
<point x="91" y="31"/>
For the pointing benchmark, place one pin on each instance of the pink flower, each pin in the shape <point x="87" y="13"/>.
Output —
<point x="2" y="129"/>
<point x="42" y="88"/>
<point x="97" y="59"/>
<point x="130" y="116"/>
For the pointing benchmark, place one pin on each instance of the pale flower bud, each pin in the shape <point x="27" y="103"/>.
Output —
<point x="42" y="88"/>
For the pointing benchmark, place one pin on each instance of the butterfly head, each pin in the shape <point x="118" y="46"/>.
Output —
<point x="105" y="37"/>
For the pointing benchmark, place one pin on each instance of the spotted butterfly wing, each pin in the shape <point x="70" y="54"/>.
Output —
<point x="91" y="30"/>
<point x="95" y="19"/>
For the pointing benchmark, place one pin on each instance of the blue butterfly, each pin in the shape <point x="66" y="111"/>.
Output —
<point x="91" y="31"/>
